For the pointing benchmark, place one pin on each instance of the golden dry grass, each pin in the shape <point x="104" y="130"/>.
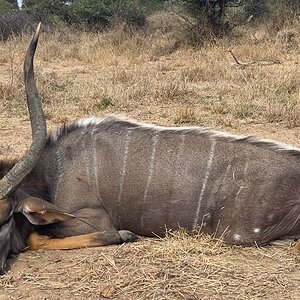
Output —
<point x="176" y="267"/>
<point x="79" y="70"/>
<point x="146" y="78"/>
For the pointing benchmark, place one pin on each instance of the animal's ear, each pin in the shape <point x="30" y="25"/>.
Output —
<point x="40" y="212"/>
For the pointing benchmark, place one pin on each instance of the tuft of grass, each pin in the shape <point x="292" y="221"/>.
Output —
<point x="185" y="116"/>
<point x="104" y="103"/>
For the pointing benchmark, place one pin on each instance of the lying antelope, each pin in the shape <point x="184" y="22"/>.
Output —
<point x="91" y="182"/>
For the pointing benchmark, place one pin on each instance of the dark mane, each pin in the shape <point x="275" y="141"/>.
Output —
<point x="64" y="130"/>
<point x="68" y="128"/>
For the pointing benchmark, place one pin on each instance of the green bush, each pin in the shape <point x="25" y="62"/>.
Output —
<point x="5" y="6"/>
<point x="102" y="13"/>
<point x="46" y="11"/>
<point x="259" y="9"/>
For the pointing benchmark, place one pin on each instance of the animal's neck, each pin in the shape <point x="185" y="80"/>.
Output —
<point x="33" y="184"/>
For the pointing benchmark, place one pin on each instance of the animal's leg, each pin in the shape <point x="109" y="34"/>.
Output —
<point x="36" y="241"/>
<point x="296" y="247"/>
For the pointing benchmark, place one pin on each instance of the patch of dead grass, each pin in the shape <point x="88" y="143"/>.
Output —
<point x="75" y="70"/>
<point x="176" y="267"/>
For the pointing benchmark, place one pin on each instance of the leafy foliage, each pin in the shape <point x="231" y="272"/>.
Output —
<point x="102" y="13"/>
<point x="5" y="6"/>
<point x="47" y="10"/>
<point x="96" y="13"/>
<point x="209" y="19"/>
<point x="257" y="8"/>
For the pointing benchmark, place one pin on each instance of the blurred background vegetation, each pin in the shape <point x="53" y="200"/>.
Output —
<point x="206" y="19"/>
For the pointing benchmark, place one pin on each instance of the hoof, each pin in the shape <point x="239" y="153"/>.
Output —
<point x="128" y="236"/>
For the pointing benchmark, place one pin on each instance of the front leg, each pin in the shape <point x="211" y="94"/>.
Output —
<point x="36" y="241"/>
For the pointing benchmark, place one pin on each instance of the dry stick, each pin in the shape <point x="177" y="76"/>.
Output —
<point x="257" y="63"/>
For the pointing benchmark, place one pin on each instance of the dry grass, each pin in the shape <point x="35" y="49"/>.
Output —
<point x="176" y="267"/>
<point x="146" y="78"/>
<point x="76" y="70"/>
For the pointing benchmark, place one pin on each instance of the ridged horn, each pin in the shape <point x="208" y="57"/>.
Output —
<point x="13" y="178"/>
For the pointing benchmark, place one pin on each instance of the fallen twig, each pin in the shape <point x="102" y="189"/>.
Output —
<point x="257" y="62"/>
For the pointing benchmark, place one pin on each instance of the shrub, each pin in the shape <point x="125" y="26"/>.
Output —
<point x="259" y="9"/>
<point x="5" y="6"/>
<point x="14" y="22"/>
<point x="46" y="11"/>
<point x="102" y="13"/>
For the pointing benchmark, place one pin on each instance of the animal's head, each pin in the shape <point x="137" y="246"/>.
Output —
<point x="37" y="211"/>
<point x="12" y="199"/>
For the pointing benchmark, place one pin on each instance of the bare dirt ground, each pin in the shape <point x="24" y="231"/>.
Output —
<point x="187" y="87"/>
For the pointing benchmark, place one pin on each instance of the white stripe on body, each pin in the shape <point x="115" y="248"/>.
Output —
<point x="151" y="170"/>
<point x="240" y="184"/>
<point x="95" y="161"/>
<point x="87" y="169"/>
<point x="207" y="173"/>
<point x="123" y="171"/>
<point x="177" y="170"/>
<point x="59" y="161"/>
<point x="96" y="167"/>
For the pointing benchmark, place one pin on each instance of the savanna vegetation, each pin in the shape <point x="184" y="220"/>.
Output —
<point x="231" y="65"/>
